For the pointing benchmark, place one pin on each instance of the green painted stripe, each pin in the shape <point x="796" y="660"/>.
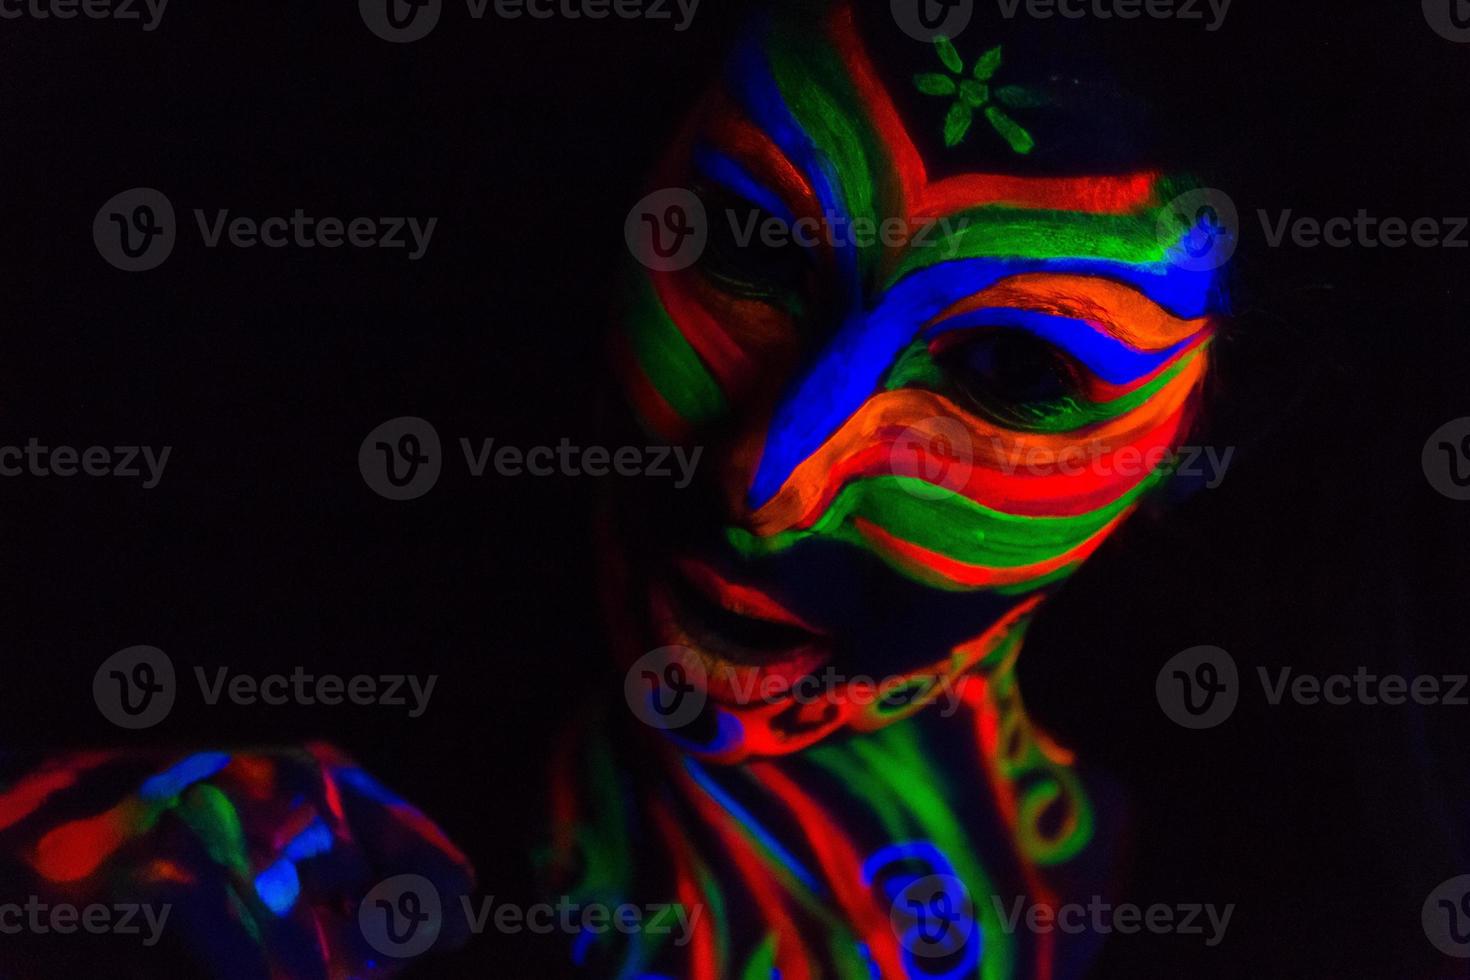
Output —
<point x="763" y="963"/>
<point x="948" y="523"/>
<point x="816" y="88"/>
<point x="895" y="756"/>
<point x="1030" y="234"/>
<point x="669" y="361"/>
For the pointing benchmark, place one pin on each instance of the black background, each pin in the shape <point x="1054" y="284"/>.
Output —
<point x="1325" y="548"/>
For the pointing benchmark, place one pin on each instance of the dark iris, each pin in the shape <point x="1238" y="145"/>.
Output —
<point x="1010" y="372"/>
<point x="743" y="256"/>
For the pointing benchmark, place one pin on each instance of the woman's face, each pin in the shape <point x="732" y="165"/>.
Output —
<point x="922" y="401"/>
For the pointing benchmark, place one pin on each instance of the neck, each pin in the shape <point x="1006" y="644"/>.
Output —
<point x="813" y="863"/>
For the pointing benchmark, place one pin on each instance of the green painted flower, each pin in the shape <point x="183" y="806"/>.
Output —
<point x="975" y="93"/>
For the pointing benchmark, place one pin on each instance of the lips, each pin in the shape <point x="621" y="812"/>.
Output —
<point x="735" y="624"/>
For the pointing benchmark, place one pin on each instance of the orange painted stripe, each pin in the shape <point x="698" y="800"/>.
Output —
<point x="999" y="457"/>
<point x="1121" y="311"/>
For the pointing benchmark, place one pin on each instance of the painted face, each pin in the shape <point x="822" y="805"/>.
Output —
<point x="923" y="401"/>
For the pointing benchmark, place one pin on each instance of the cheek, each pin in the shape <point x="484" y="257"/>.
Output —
<point x="694" y="358"/>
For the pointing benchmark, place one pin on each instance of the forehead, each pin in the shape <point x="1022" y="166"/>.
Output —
<point x="818" y="114"/>
<point x="1005" y="95"/>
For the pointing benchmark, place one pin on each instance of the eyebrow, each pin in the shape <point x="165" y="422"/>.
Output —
<point x="1124" y="312"/>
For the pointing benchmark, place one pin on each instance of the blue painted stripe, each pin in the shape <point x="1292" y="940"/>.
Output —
<point x="754" y="86"/>
<point x="748" y="821"/>
<point x="179" y="777"/>
<point x="315" y="839"/>
<point x="368" y="786"/>
<point x="734" y="178"/>
<point x="278" y="886"/>
<point x="1101" y="353"/>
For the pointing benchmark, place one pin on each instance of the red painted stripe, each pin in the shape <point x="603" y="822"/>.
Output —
<point x="943" y="569"/>
<point x="842" y="866"/>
